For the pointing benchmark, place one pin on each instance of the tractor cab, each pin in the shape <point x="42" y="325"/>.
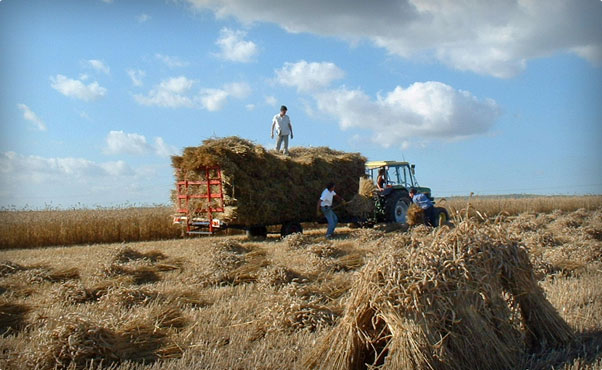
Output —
<point x="398" y="176"/>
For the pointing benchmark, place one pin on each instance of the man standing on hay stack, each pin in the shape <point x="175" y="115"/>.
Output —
<point x="283" y="128"/>
<point x="422" y="201"/>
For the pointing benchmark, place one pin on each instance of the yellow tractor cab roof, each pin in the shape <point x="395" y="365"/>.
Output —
<point x="377" y="164"/>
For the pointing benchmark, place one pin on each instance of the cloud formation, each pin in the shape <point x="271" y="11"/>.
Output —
<point x="424" y="109"/>
<point x="41" y="169"/>
<point x="99" y="66"/>
<point x="172" y="62"/>
<point x="119" y="142"/>
<point x="136" y="75"/>
<point x="234" y="47"/>
<point x="170" y="93"/>
<point x="177" y="92"/>
<point x="30" y="115"/>
<point x="308" y="76"/>
<point x="31" y="180"/>
<point x="77" y="89"/>
<point x="490" y="38"/>
<point x="141" y="18"/>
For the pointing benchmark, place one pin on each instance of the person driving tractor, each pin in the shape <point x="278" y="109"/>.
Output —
<point x="381" y="181"/>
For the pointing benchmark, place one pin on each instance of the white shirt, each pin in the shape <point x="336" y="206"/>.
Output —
<point x="282" y="124"/>
<point x="326" y="198"/>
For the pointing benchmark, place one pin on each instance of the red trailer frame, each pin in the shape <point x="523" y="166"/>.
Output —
<point x="195" y="221"/>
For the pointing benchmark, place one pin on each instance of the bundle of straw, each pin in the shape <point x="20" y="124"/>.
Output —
<point x="415" y="215"/>
<point x="262" y="187"/>
<point x="444" y="305"/>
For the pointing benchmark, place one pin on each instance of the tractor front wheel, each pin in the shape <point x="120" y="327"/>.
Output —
<point x="441" y="216"/>
<point x="396" y="207"/>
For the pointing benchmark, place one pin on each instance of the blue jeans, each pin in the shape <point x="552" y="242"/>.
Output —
<point x="332" y="219"/>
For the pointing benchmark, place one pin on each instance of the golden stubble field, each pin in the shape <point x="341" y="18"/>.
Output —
<point x="228" y="302"/>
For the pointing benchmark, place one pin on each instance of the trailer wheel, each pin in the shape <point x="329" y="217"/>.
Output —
<point x="291" y="228"/>
<point x="257" y="232"/>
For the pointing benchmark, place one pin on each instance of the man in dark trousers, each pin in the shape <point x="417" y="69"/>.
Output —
<point x="422" y="201"/>
<point x="325" y="204"/>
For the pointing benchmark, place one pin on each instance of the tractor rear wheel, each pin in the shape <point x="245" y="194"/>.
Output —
<point x="396" y="207"/>
<point x="441" y="216"/>
<point x="291" y="228"/>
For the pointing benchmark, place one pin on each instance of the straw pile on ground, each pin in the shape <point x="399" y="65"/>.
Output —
<point x="466" y="299"/>
<point x="262" y="187"/>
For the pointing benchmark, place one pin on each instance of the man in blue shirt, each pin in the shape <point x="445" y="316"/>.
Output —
<point x="422" y="201"/>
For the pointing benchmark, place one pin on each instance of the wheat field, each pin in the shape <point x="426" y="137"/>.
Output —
<point x="41" y="228"/>
<point x="225" y="302"/>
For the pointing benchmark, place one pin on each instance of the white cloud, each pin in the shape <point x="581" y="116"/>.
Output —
<point x="233" y="47"/>
<point x="136" y="75"/>
<point x="308" y="76"/>
<point x="492" y="38"/>
<point x="271" y="100"/>
<point x="172" y="62"/>
<point x="424" y="109"/>
<point x="119" y="142"/>
<point x="99" y="65"/>
<point x="176" y="93"/>
<point x="40" y="169"/>
<point x="141" y="18"/>
<point x="30" y="115"/>
<point x="250" y="107"/>
<point x="163" y="149"/>
<point x="36" y="181"/>
<point x="213" y="99"/>
<point x="77" y="89"/>
<point x="171" y="93"/>
<point x="239" y="90"/>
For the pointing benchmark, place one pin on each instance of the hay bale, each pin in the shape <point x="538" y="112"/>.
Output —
<point x="127" y="297"/>
<point x="288" y="312"/>
<point x="126" y="254"/>
<point x="262" y="188"/>
<point x="297" y="241"/>
<point x="75" y="342"/>
<point x="231" y="263"/>
<point x="139" y="273"/>
<point x="276" y="276"/>
<point x="443" y="305"/>
<point x="12" y="316"/>
<point x="366" y="187"/>
<point x="415" y="215"/>
<point x="9" y="268"/>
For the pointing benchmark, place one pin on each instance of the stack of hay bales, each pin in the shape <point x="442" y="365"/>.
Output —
<point x="263" y="188"/>
<point x="468" y="299"/>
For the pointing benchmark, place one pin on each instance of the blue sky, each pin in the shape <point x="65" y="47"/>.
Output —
<point x="485" y="97"/>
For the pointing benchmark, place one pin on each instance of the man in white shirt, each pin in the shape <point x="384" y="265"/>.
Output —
<point x="325" y="204"/>
<point x="283" y="126"/>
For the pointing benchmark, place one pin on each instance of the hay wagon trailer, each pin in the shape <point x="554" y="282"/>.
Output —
<point x="205" y="220"/>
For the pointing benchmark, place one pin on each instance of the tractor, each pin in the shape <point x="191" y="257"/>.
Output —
<point x="392" y="204"/>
